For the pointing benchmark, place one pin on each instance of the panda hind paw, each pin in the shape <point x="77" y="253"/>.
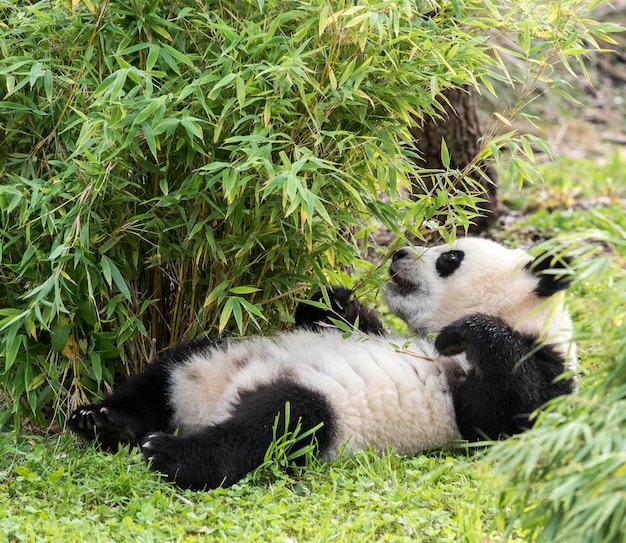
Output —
<point x="156" y="444"/>
<point x="167" y="454"/>
<point x="84" y="420"/>
<point x="109" y="426"/>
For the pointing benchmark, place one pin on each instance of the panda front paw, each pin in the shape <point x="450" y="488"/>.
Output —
<point x="342" y="307"/>
<point x="450" y="341"/>
<point x="107" y="425"/>
<point x="458" y="337"/>
<point x="473" y="334"/>
<point x="488" y="342"/>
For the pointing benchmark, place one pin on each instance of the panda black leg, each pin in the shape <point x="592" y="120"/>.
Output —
<point x="137" y="407"/>
<point x="222" y="454"/>
<point x="510" y="378"/>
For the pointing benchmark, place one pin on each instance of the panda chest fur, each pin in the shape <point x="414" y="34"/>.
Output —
<point x="379" y="397"/>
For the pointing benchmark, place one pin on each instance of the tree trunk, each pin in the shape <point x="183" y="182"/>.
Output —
<point x="460" y="128"/>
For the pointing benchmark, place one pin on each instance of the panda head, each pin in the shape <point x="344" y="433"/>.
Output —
<point x="433" y="287"/>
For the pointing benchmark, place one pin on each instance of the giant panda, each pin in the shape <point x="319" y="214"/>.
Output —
<point x="491" y="343"/>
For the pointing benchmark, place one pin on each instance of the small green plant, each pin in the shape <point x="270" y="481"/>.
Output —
<point x="580" y="183"/>
<point x="291" y="448"/>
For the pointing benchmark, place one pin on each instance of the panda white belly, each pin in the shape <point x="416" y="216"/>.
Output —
<point x="380" y="397"/>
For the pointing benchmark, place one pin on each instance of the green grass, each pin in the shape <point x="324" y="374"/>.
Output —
<point x="54" y="489"/>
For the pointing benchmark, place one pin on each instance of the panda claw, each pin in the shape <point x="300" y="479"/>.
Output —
<point x="148" y="444"/>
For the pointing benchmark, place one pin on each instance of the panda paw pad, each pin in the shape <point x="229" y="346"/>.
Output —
<point x="107" y="425"/>
<point x="85" y="420"/>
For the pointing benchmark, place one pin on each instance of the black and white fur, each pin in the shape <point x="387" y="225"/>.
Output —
<point x="204" y="413"/>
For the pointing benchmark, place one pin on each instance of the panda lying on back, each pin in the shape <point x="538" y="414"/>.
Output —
<point x="204" y="413"/>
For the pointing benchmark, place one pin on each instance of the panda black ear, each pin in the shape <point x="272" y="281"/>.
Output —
<point x="553" y="272"/>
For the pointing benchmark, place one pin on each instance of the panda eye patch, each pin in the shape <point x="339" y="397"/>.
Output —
<point x="448" y="262"/>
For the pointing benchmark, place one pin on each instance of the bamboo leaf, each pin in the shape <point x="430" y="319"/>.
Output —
<point x="243" y="290"/>
<point x="148" y="110"/>
<point x="445" y="154"/>
<point x="153" y="145"/>
<point x="226" y="313"/>
<point x="113" y="276"/>
<point x="59" y="335"/>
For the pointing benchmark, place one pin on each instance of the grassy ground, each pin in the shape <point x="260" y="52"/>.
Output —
<point x="52" y="489"/>
<point x="55" y="492"/>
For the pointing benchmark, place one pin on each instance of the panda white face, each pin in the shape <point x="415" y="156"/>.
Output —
<point x="432" y="287"/>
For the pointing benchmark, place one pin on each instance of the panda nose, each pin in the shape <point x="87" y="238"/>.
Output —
<point x="400" y="253"/>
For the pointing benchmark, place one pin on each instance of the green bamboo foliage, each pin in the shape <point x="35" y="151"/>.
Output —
<point x="174" y="168"/>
